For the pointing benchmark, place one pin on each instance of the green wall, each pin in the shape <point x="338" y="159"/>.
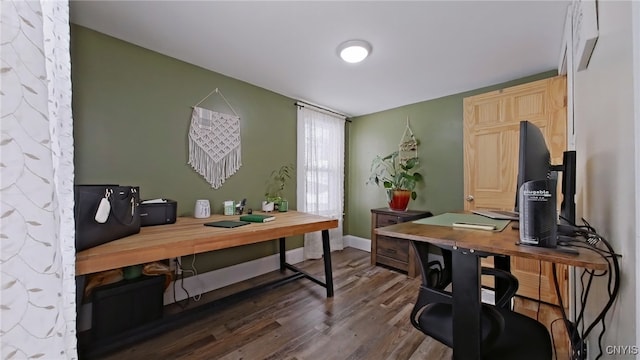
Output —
<point x="132" y="109"/>
<point x="437" y="124"/>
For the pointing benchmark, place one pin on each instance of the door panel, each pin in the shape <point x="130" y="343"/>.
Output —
<point x="491" y="138"/>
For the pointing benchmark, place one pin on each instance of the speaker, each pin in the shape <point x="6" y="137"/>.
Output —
<point x="538" y="214"/>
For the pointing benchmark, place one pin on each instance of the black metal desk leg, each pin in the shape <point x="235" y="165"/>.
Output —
<point x="326" y="251"/>
<point x="467" y="305"/>
<point x="283" y="252"/>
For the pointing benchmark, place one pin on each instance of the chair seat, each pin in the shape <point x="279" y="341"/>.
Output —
<point x="517" y="337"/>
<point x="436" y="320"/>
<point x="523" y="338"/>
<point x="504" y="334"/>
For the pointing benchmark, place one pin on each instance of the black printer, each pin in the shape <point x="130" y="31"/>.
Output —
<point x="158" y="212"/>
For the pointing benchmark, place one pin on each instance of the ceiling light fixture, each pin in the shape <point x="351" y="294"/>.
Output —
<point x="354" y="51"/>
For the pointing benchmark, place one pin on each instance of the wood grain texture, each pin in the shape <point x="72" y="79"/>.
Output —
<point x="189" y="236"/>
<point x="501" y="243"/>
<point x="491" y="135"/>
<point x="367" y="319"/>
<point x="393" y="252"/>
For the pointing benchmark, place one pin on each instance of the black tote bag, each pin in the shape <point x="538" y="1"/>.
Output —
<point x="123" y="217"/>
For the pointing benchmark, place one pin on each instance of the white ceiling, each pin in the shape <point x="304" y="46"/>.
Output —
<point x="422" y="50"/>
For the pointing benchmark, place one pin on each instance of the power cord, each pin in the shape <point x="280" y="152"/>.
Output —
<point x="592" y="241"/>
<point x="194" y="272"/>
<point x="184" y="303"/>
<point x="539" y="289"/>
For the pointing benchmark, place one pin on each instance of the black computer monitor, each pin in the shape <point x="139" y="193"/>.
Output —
<point x="534" y="158"/>
<point x="534" y="163"/>
<point x="536" y="189"/>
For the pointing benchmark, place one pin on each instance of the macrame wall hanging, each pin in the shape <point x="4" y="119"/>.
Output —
<point x="214" y="143"/>
<point x="408" y="147"/>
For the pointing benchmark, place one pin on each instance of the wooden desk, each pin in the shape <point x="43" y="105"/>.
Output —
<point x="189" y="236"/>
<point x="467" y="247"/>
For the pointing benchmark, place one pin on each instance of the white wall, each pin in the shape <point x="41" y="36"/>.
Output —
<point x="604" y="103"/>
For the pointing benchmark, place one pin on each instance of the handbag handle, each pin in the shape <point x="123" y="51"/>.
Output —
<point x="132" y="200"/>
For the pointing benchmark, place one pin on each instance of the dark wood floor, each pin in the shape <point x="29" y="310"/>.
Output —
<point x="368" y="318"/>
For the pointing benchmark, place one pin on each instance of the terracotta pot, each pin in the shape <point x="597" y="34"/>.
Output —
<point x="398" y="199"/>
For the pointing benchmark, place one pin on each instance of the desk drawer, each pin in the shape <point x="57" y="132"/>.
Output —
<point x="386" y="220"/>
<point x="396" y="264"/>
<point x="393" y="248"/>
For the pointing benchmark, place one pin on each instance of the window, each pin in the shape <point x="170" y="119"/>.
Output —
<point x="320" y="172"/>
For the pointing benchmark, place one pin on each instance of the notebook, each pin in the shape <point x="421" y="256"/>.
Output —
<point x="257" y="218"/>
<point x="497" y="214"/>
<point x="227" y="223"/>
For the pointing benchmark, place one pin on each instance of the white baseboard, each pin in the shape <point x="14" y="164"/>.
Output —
<point x="357" y="242"/>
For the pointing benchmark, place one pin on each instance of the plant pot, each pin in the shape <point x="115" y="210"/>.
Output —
<point x="284" y="206"/>
<point x="267" y="206"/>
<point x="398" y="199"/>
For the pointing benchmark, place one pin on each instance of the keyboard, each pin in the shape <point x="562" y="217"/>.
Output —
<point x="497" y="214"/>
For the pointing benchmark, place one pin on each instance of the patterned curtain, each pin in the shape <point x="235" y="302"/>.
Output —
<point x="37" y="259"/>
<point x="320" y="174"/>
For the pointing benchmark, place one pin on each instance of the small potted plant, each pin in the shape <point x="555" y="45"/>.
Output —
<point x="398" y="178"/>
<point x="275" y="187"/>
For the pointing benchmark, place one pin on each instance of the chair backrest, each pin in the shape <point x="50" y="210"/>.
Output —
<point x="432" y="313"/>
<point x="434" y="273"/>
<point x="506" y="335"/>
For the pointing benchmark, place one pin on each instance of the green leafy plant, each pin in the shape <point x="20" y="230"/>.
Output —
<point x="277" y="182"/>
<point x="390" y="173"/>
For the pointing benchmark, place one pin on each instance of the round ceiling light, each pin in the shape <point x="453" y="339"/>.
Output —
<point x="354" y="51"/>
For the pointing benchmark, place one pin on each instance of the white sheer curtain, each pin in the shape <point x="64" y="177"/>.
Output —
<point x="38" y="311"/>
<point x="320" y="173"/>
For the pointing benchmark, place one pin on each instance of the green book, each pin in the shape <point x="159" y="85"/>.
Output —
<point x="257" y="218"/>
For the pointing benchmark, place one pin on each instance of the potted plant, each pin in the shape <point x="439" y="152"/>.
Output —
<point x="399" y="179"/>
<point x="275" y="187"/>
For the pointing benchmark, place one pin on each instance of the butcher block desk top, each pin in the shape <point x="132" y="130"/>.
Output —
<point x="500" y="243"/>
<point x="189" y="236"/>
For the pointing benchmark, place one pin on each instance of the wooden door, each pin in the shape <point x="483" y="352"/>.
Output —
<point x="491" y="136"/>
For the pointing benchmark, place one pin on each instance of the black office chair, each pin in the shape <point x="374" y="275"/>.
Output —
<point x="505" y="334"/>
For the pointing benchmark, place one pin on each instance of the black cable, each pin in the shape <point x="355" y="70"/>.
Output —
<point x="600" y="317"/>
<point x="175" y="300"/>
<point x="539" y="289"/>
<point x="570" y="331"/>
<point x="583" y="298"/>
<point x="613" y="293"/>
<point x="604" y="327"/>
<point x="592" y="239"/>
<point x="612" y="296"/>
<point x="553" y="338"/>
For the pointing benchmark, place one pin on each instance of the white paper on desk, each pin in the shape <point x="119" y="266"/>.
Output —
<point x="154" y="201"/>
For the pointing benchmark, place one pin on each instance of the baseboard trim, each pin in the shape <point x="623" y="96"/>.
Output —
<point x="357" y="242"/>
